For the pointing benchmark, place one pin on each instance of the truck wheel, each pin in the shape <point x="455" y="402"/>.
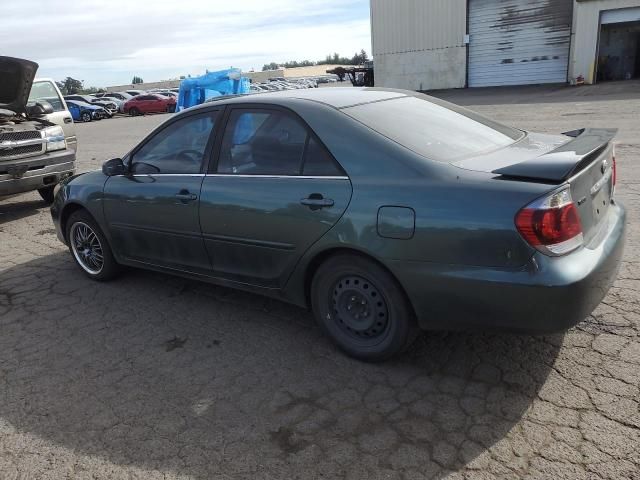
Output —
<point x="47" y="194"/>
<point x="362" y="308"/>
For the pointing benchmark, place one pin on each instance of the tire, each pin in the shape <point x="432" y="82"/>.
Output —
<point x="86" y="253"/>
<point x="86" y="117"/>
<point x="47" y="194"/>
<point x="134" y="112"/>
<point x="362" y="308"/>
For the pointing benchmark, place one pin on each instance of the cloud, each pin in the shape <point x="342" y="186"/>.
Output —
<point x="106" y="43"/>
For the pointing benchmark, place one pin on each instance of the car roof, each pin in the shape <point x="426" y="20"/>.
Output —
<point x="338" y="97"/>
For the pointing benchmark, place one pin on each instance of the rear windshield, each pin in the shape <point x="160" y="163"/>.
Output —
<point x="433" y="128"/>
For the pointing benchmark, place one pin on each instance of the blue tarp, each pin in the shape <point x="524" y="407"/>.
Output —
<point x="197" y="90"/>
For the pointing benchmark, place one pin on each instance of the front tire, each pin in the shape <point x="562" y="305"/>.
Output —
<point x="362" y="308"/>
<point x="47" y="194"/>
<point x="90" y="248"/>
<point x="86" y="117"/>
<point x="134" y="112"/>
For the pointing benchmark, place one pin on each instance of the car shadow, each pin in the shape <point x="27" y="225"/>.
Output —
<point x="14" y="208"/>
<point x="169" y="374"/>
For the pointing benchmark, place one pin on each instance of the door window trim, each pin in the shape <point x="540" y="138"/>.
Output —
<point x="208" y="151"/>
<point x="253" y="107"/>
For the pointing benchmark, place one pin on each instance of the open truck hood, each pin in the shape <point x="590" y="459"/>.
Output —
<point x="16" y="78"/>
<point x="544" y="158"/>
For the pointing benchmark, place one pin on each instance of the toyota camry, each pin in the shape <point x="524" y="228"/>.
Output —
<point x="385" y="212"/>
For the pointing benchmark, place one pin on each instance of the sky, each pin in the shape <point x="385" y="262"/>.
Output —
<point x="106" y="43"/>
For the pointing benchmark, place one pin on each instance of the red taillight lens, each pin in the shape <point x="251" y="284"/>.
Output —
<point x="551" y="225"/>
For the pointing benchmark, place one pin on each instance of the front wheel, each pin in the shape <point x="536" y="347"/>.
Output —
<point x="362" y="308"/>
<point x="90" y="248"/>
<point x="134" y="112"/>
<point x="85" y="117"/>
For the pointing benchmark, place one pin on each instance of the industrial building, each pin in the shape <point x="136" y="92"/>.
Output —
<point x="435" y="44"/>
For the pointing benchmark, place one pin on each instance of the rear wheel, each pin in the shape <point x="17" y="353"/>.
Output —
<point x="90" y="248"/>
<point x="47" y="194"/>
<point x="362" y="308"/>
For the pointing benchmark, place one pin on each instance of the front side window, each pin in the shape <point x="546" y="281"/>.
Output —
<point x="45" y="91"/>
<point x="271" y="142"/>
<point x="179" y="148"/>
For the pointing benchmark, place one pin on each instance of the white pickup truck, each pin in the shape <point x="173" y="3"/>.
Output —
<point x="37" y="135"/>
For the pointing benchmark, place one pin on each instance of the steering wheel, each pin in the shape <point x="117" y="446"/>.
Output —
<point x="193" y="156"/>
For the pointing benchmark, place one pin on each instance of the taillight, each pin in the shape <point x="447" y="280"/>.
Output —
<point x="551" y="224"/>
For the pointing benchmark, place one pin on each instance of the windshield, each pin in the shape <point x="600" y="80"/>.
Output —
<point x="433" y="128"/>
<point x="45" y="91"/>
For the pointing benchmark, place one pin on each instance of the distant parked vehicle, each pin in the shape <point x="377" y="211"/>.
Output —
<point x="149" y="103"/>
<point x="124" y="96"/>
<point x="85" y="112"/>
<point x="119" y="103"/>
<point x="110" y="107"/>
<point x="135" y="93"/>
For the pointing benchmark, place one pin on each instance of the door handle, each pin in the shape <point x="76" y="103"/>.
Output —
<point x="185" y="196"/>
<point x="316" y="201"/>
<point x="68" y="119"/>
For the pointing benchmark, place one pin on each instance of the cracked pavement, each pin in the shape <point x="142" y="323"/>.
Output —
<point x="157" y="377"/>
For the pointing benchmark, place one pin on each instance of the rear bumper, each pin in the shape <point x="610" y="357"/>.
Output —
<point x="549" y="294"/>
<point x="17" y="176"/>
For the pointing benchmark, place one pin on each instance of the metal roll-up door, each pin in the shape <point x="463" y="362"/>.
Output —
<point x="519" y="42"/>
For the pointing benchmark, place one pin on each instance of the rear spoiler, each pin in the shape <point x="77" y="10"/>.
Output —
<point x="562" y="163"/>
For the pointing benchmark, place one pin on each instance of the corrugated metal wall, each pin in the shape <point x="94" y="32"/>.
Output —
<point x="518" y="42"/>
<point x="415" y="25"/>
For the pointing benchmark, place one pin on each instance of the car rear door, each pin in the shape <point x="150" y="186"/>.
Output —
<point x="152" y="212"/>
<point x="274" y="191"/>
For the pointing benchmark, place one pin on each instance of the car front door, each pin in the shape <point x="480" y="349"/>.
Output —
<point x="274" y="191"/>
<point x="152" y="212"/>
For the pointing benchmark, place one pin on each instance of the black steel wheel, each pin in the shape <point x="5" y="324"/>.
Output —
<point x="362" y="308"/>
<point x="89" y="247"/>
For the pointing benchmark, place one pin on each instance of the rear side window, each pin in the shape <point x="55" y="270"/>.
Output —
<point x="435" y="129"/>
<point x="45" y="91"/>
<point x="272" y="142"/>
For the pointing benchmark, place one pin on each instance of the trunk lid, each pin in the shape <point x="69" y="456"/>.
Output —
<point x="582" y="158"/>
<point x="16" y="78"/>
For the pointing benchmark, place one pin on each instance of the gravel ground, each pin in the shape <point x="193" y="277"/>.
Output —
<point x="153" y="377"/>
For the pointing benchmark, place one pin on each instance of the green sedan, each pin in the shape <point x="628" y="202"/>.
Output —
<point x="386" y="212"/>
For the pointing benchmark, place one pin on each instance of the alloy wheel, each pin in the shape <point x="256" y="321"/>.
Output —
<point x="86" y="248"/>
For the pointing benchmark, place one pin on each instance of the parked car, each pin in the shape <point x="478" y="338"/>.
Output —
<point x="384" y="211"/>
<point x="124" y="96"/>
<point x="149" y="103"/>
<point x="110" y="107"/>
<point x="134" y="93"/>
<point x="86" y="112"/>
<point x="34" y="153"/>
<point x="45" y="90"/>
<point x="116" y="101"/>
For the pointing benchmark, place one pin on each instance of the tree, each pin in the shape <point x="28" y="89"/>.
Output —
<point x="69" y="86"/>
<point x="136" y="80"/>
<point x="270" y="66"/>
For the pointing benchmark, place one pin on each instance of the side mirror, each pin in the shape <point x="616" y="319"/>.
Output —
<point x="39" y="109"/>
<point x="113" y="167"/>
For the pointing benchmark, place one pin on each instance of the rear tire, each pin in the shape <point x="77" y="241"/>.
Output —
<point x="47" y="194"/>
<point x="362" y="308"/>
<point x="89" y="247"/>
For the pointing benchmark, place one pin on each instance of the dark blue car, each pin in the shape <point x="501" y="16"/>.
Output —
<point x="84" y="112"/>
